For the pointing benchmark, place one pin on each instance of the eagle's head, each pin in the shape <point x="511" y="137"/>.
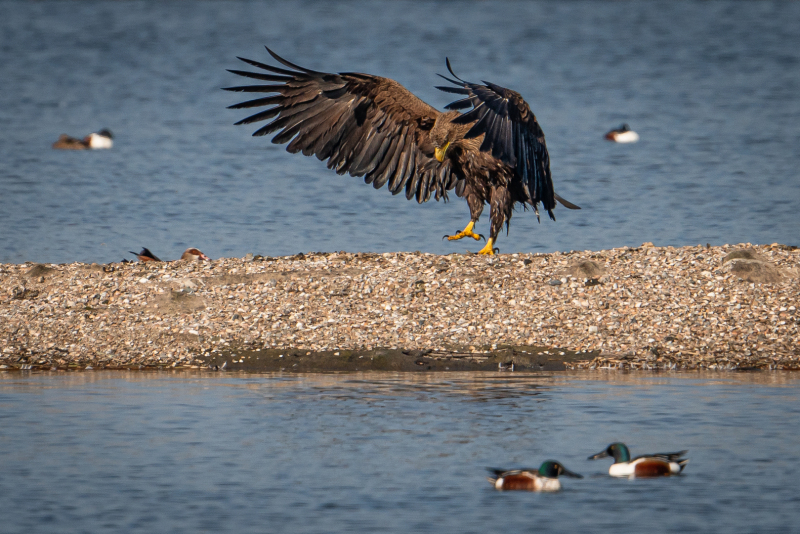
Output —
<point x="443" y="133"/>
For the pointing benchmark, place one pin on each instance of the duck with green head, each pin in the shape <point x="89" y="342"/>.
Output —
<point x="649" y="465"/>
<point x="543" y="479"/>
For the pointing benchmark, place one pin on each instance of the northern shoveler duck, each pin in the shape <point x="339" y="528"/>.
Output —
<point x="101" y="139"/>
<point x="189" y="254"/>
<point x="648" y="465"/>
<point x="623" y="134"/>
<point x="543" y="479"/>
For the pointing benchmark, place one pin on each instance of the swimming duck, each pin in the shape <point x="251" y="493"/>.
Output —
<point x="623" y="134"/>
<point x="101" y="139"/>
<point x="649" y="465"/>
<point x="189" y="254"/>
<point x="543" y="479"/>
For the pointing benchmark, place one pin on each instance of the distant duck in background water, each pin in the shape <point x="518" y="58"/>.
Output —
<point x="623" y="134"/>
<point x="93" y="141"/>
<point x="192" y="254"/>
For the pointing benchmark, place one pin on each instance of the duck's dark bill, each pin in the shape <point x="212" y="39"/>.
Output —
<point x="601" y="454"/>
<point x="569" y="473"/>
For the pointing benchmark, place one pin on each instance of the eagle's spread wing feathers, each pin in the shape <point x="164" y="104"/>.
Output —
<point x="365" y="125"/>
<point x="512" y="133"/>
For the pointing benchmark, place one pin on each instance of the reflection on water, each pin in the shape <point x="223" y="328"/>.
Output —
<point x="389" y="452"/>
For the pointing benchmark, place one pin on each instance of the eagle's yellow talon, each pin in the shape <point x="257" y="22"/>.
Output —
<point x="466" y="232"/>
<point x="489" y="249"/>
<point x="459" y="235"/>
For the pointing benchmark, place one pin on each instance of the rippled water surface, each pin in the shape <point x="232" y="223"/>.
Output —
<point x="135" y="452"/>
<point x="710" y="86"/>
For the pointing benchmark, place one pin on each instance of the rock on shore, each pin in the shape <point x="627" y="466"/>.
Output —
<point x="728" y="307"/>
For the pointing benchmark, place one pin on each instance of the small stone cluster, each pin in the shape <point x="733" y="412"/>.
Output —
<point x="728" y="307"/>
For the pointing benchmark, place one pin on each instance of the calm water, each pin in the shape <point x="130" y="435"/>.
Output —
<point x="113" y="452"/>
<point x="710" y="86"/>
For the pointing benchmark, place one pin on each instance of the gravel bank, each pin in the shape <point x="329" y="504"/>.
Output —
<point x="729" y="307"/>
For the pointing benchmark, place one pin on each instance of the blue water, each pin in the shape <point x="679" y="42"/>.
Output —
<point x="136" y="452"/>
<point x="711" y="87"/>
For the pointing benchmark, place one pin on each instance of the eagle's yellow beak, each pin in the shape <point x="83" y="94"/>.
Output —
<point x="439" y="152"/>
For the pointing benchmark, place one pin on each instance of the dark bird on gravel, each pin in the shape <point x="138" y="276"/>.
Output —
<point x="374" y="127"/>
<point x="145" y="255"/>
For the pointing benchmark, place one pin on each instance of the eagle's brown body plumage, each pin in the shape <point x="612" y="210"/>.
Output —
<point x="373" y="127"/>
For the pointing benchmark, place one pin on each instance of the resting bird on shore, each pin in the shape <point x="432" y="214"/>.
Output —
<point x="374" y="127"/>
<point x="145" y="255"/>
<point x="189" y="254"/>
<point x="194" y="254"/>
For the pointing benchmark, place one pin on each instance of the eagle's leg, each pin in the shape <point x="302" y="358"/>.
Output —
<point x="500" y="213"/>
<point x="475" y="203"/>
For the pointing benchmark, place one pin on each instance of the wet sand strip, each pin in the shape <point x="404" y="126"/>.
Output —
<point x="506" y="359"/>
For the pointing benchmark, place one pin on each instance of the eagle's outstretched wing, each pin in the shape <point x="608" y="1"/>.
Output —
<point x="362" y="124"/>
<point x="512" y="133"/>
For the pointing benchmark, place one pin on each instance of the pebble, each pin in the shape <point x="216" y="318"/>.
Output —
<point x="651" y="308"/>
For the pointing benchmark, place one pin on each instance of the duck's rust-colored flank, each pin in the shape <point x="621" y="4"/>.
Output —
<point x="652" y="468"/>
<point x="523" y="481"/>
